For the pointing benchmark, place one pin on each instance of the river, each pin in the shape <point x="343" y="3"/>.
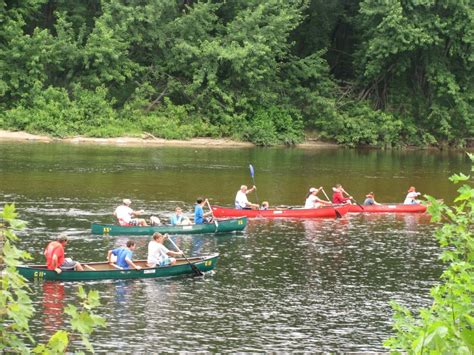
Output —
<point x="282" y="285"/>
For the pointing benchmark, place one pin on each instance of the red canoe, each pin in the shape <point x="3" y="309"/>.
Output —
<point x="324" y="212"/>
<point x="388" y="208"/>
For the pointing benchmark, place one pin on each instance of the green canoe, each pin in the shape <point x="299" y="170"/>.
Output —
<point x="219" y="226"/>
<point x="104" y="271"/>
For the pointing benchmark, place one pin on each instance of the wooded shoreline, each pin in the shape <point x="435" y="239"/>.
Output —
<point x="359" y="73"/>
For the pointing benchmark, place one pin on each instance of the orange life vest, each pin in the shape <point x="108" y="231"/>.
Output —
<point x="54" y="248"/>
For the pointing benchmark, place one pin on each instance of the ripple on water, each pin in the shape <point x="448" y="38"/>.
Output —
<point x="306" y="286"/>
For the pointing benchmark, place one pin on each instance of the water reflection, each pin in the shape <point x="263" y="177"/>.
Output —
<point x="123" y="291"/>
<point x="280" y="286"/>
<point x="53" y="306"/>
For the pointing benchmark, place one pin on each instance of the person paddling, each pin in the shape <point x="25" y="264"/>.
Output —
<point x="338" y="195"/>
<point x="55" y="259"/>
<point x="199" y="215"/>
<point x="313" y="201"/>
<point x="241" y="201"/>
<point x="158" y="254"/>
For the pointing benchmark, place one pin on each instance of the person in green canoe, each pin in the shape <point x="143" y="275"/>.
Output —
<point x="123" y="256"/>
<point x="128" y="217"/>
<point x="158" y="254"/>
<point x="55" y="259"/>
<point x="199" y="215"/>
<point x="179" y="219"/>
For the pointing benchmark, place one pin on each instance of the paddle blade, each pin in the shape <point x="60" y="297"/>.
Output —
<point x="196" y="270"/>
<point x="252" y="172"/>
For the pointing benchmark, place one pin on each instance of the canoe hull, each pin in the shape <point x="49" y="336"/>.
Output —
<point x="40" y="273"/>
<point x="325" y="212"/>
<point x="388" y="208"/>
<point x="222" y="226"/>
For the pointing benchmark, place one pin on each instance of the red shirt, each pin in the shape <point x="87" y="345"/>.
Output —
<point x="54" y="248"/>
<point x="339" y="198"/>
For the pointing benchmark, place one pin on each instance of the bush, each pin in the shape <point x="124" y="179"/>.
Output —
<point x="49" y="111"/>
<point x="95" y="112"/>
<point x="358" y="124"/>
<point x="53" y="112"/>
<point x="275" y="126"/>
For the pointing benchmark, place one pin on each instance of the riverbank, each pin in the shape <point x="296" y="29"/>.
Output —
<point x="146" y="140"/>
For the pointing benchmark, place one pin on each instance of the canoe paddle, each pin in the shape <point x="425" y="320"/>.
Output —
<point x="353" y="199"/>
<point x="212" y="214"/>
<point x="338" y="214"/>
<point x="194" y="267"/>
<point x="252" y="174"/>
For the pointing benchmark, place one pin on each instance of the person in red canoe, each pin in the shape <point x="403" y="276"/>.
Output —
<point x="127" y="217"/>
<point x="338" y="195"/>
<point x="241" y="201"/>
<point x="411" y="198"/>
<point x="313" y="201"/>
<point x="55" y="259"/>
<point x="370" y="200"/>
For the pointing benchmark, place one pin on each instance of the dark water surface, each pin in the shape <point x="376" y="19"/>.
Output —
<point x="283" y="285"/>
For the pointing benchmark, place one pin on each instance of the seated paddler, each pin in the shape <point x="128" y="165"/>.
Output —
<point x="241" y="200"/>
<point x="127" y="217"/>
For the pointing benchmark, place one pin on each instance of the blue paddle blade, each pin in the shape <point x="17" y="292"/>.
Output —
<point x="251" y="170"/>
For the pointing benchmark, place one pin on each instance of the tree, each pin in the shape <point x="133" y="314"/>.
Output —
<point x="416" y="61"/>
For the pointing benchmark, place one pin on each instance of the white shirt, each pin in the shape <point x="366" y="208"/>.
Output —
<point x="310" y="201"/>
<point x="410" y="199"/>
<point x="156" y="252"/>
<point x="124" y="213"/>
<point x="241" y="200"/>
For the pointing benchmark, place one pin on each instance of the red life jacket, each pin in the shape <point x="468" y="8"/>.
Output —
<point x="339" y="198"/>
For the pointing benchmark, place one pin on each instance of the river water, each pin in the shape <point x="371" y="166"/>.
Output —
<point x="281" y="285"/>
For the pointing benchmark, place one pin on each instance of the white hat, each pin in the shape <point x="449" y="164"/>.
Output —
<point x="126" y="201"/>
<point x="313" y="189"/>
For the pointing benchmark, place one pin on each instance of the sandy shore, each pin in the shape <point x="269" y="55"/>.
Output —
<point x="144" y="141"/>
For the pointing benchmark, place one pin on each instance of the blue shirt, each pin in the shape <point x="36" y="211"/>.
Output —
<point x="198" y="214"/>
<point x="122" y="254"/>
<point x="369" y="201"/>
<point x="175" y="219"/>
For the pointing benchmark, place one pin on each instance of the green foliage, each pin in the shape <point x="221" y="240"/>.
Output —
<point x="57" y="344"/>
<point x="361" y="125"/>
<point x="448" y="325"/>
<point x="85" y="321"/>
<point x="52" y="111"/>
<point x="16" y="307"/>
<point x="68" y="69"/>
<point x="416" y="59"/>
<point x="275" y="126"/>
